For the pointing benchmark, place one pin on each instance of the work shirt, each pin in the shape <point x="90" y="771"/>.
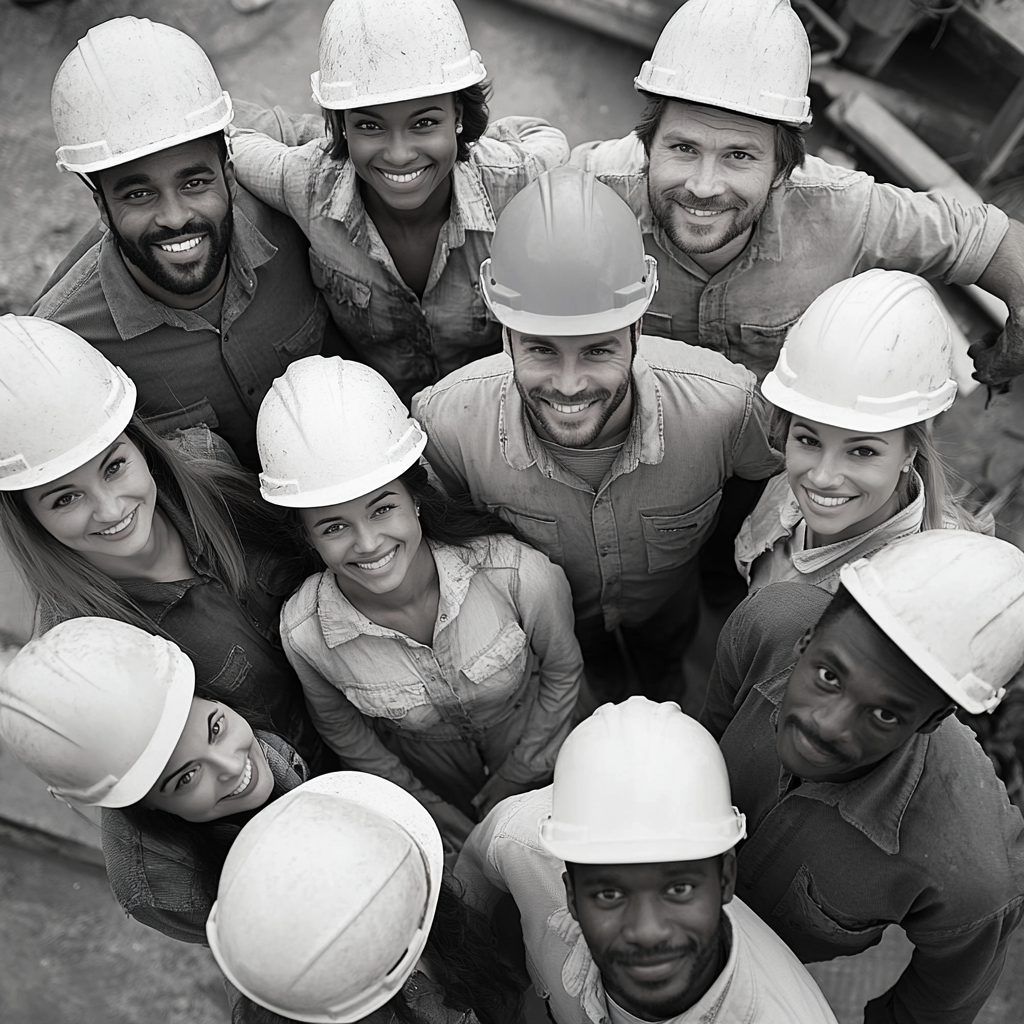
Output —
<point x="157" y="880"/>
<point x="410" y="341"/>
<point x="761" y="983"/>
<point x="503" y="646"/>
<point x="187" y="370"/>
<point x="630" y="545"/>
<point x="821" y="225"/>
<point x="927" y="839"/>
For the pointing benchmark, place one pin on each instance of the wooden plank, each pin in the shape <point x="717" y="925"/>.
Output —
<point x="633" y="21"/>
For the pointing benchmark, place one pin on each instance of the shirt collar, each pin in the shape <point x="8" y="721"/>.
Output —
<point x="135" y="313"/>
<point x="645" y="441"/>
<point x="341" y="621"/>
<point x="875" y="803"/>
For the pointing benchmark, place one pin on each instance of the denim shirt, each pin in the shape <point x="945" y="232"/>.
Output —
<point x="187" y="370"/>
<point x="822" y="225"/>
<point x="630" y="546"/>
<point x="410" y="341"/>
<point x="504" y="623"/>
<point x="156" y="880"/>
<point x="761" y="983"/>
<point x="927" y="839"/>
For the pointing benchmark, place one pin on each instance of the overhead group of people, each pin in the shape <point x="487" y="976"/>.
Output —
<point x="367" y="475"/>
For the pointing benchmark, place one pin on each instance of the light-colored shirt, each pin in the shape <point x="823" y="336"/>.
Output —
<point x="822" y="225"/>
<point x="504" y="624"/>
<point x="630" y="545"/>
<point x="411" y="341"/>
<point x="762" y="981"/>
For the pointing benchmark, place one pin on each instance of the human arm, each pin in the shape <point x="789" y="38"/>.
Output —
<point x="539" y="144"/>
<point x="752" y="456"/>
<point x="445" y="470"/>
<point x="277" y="124"/>
<point x="1004" y="277"/>
<point x="275" y="173"/>
<point x="481" y="881"/>
<point x="611" y="156"/>
<point x="726" y="677"/>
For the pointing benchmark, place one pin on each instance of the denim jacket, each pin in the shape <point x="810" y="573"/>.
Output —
<point x="503" y="631"/>
<point x="632" y="546"/>
<point x="822" y="225"/>
<point x="761" y="983"/>
<point x="927" y="839"/>
<point x="412" y="342"/>
<point x="156" y="880"/>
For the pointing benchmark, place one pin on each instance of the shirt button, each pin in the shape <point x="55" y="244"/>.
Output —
<point x="443" y="618"/>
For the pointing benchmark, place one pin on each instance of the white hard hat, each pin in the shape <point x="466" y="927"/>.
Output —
<point x="132" y="87"/>
<point x="953" y="602"/>
<point x="95" y="708"/>
<point x="750" y="56"/>
<point x="330" y="430"/>
<point x="873" y="352"/>
<point x="567" y="258"/>
<point x="387" y="51"/>
<point x="640" y="783"/>
<point x="327" y="897"/>
<point x="62" y="402"/>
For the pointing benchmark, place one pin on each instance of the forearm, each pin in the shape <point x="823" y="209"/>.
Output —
<point x="1004" y="275"/>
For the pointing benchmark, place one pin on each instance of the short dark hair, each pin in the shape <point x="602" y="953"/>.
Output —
<point x="790" y="146"/>
<point x="475" y="115"/>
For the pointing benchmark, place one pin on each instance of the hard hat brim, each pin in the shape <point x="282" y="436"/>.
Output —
<point x="324" y="98"/>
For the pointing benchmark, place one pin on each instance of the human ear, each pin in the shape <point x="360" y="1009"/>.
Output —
<point x="934" y="720"/>
<point x="728" y="876"/>
<point x="804" y="641"/>
<point x="101" y="207"/>
<point x="570" y="895"/>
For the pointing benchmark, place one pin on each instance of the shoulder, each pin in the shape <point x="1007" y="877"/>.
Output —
<point x="612" y="158"/>
<point x="517" y="823"/>
<point x="277" y="227"/>
<point x="302" y="605"/>
<point x="766" y="626"/>
<point x="682" y="364"/>
<point x="72" y="281"/>
<point x="473" y="382"/>
<point x="819" y="174"/>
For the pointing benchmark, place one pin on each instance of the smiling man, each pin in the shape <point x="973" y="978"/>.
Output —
<point x="625" y="890"/>
<point x="747" y="229"/>
<point x="606" y="449"/>
<point x="869" y="803"/>
<point x="200" y="292"/>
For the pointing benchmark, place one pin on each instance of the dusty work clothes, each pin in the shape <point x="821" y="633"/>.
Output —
<point x="762" y="983"/>
<point x="157" y="879"/>
<point x="771" y="544"/>
<point x="411" y="341"/>
<point x="927" y="839"/>
<point x="493" y="691"/>
<point x="190" y="370"/>
<point x="822" y="225"/>
<point x="630" y="546"/>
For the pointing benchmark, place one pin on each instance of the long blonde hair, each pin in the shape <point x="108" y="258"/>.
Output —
<point x="219" y="499"/>
<point x="943" y="505"/>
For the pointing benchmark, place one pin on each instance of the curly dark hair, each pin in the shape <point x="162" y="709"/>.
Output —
<point x="475" y="114"/>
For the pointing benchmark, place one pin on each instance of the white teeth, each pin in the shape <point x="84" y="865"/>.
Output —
<point x="820" y="499"/>
<point x="118" y="527"/>
<point x="181" y="246"/>
<point x="246" y="778"/>
<point x="702" y="213"/>
<point x="411" y="176"/>
<point x="380" y="563"/>
<point x="569" y="409"/>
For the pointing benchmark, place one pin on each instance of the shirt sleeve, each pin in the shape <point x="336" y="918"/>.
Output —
<point x="276" y="173"/>
<point x="727" y="676"/>
<point x="539" y="144"/>
<point x="346" y="731"/>
<point x="278" y="124"/>
<point x="928" y="234"/>
<point x="479" y="877"/>
<point x="611" y="157"/>
<point x="545" y="609"/>
<point x="753" y="458"/>
<point x="445" y="471"/>
<point x="949" y="977"/>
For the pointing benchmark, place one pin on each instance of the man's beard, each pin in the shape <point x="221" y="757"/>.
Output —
<point x="183" y="278"/>
<point x="664" y="204"/>
<point x="569" y="437"/>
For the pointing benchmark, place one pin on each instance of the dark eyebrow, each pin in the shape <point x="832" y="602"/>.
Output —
<point x="63" y="487"/>
<point x="191" y="172"/>
<point x="380" y="497"/>
<point x="130" y="179"/>
<point x="209" y="739"/>
<point x="806" y="426"/>
<point x="865" y="437"/>
<point x="379" y="117"/>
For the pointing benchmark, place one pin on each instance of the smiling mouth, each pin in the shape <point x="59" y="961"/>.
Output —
<point x="246" y="779"/>
<point x="570" y="410"/>
<point x="381" y="562"/>
<point x="402" y="178"/>
<point x="110" y="531"/>
<point x="703" y="213"/>
<point x="825" y="501"/>
<point x="189" y="243"/>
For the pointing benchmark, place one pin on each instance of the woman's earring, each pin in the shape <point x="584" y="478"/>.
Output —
<point x="458" y="127"/>
<point x="905" y="469"/>
<point x="417" y="510"/>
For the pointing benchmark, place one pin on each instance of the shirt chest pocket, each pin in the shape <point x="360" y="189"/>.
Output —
<point x="673" y="538"/>
<point x="307" y="340"/>
<point x="805" y="910"/>
<point x="501" y="665"/>
<point x="540" y="532"/>
<point x="391" y="697"/>
<point x="759" y="346"/>
<point x="348" y="297"/>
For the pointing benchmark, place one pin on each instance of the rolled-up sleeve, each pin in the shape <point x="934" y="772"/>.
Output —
<point x="539" y="144"/>
<point x="280" y="175"/>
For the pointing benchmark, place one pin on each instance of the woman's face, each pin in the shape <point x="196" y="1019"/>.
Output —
<point x="404" y="151"/>
<point x="371" y="541"/>
<point x="104" y="509"/>
<point x="218" y="767"/>
<point x="845" y="480"/>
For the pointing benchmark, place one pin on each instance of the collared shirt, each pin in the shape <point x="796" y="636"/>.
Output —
<point x="187" y="370"/>
<point x="770" y="543"/>
<point x="927" y="839"/>
<point x="822" y="225"/>
<point x="761" y="983"/>
<point x="631" y="545"/>
<point x="411" y="341"/>
<point x="156" y="879"/>
<point x="503" y="634"/>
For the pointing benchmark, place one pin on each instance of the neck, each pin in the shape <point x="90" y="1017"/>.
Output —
<point x="433" y="212"/>
<point x="419" y="591"/>
<point x="172" y="299"/>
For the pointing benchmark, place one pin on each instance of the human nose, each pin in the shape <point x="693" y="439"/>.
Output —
<point x="228" y="762"/>
<point x="832" y="722"/>
<point x="704" y="179"/>
<point x="569" y="377"/>
<point x="399" y="150"/>
<point x="110" y="507"/>
<point x="367" y="537"/>
<point x="174" y="210"/>
<point x="645" y="923"/>
<point x="825" y="473"/>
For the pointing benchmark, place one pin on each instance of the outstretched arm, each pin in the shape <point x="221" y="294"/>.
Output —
<point x="1004" y="277"/>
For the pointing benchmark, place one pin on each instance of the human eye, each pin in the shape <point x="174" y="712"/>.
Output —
<point x="884" y="717"/>
<point x="195" y="183"/>
<point x="739" y="154"/>
<point x="806" y="440"/>
<point x="217" y="726"/>
<point x="864" y="451"/>
<point x="63" y="500"/>
<point x="681" y="889"/>
<point x="136" y="194"/>
<point x="427" y="122"/>
<point x="606" y="897"/>
<point x="334" y="528"/>
<point x="114" y="467"/>
<point x="827" y="677"/>
<point x="367" y="126"/>
<point x="185" y="779"/>
<point x="383" y="509"/>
